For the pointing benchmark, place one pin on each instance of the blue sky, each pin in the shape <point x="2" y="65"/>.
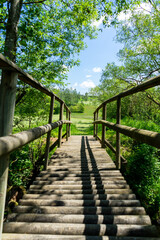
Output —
<point x="100" y="51"/>
<point x="93" y="59"/>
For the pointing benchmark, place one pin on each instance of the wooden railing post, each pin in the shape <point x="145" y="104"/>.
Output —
<point x="118" y="141"/>
<point x="103" y="126"/>
<point x="60" y="127"/>
<point x="67" y="125"/>
<point x="96" y="125"/>
<point x="7" y="106"/>
<point x="49" y="133"/>
<point x="69" y="129"/>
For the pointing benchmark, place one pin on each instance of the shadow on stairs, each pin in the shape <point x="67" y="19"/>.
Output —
<point x="80" y="196"/>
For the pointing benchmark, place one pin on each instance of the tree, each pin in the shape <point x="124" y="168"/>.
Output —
<point x="42" y="36"/>
<point x="140" y="58"/>
<point x="140" y="35"/>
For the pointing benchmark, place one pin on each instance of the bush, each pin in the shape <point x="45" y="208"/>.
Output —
<point x="79" y="108"/>
<point x="143" y="176"/>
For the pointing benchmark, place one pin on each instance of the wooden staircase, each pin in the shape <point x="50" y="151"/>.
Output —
<point x="81" y="196"/>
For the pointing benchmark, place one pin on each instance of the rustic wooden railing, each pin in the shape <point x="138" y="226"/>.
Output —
<point x="145" y="136"/>
<point x="8" y="142"/>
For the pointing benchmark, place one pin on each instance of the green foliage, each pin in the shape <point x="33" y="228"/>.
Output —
<point x="24" y="163"/>
<point x="140" y="36"/>
<point x="143" y="165"/>
<point x="52" y="32"/>
<point x="70" y="96"/>
<point x="143" y="171"/>
<point x="79" y="108"/>
<point x="20" y="167"/>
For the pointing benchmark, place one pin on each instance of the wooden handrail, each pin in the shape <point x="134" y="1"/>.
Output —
<point x="145" y="136"/>
<point x="6" y="64"/>
<point x="10" y="143"/>
<point x="153" y="82"/>
<point x="149" y="137"/>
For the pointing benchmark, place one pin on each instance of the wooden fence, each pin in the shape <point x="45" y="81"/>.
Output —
<point x="149" y="137"/>
<point x="9" y="143"/>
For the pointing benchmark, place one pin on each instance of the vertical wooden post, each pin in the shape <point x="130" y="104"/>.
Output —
<point x="118" y="140"/>
<point x="69" y="129"/>
<point x="49" y="133"/>
<point x="7" y="107"/>
<point x="60" y="127"/>
<point x="96" y="125"/>
<point x="67" y="125"/>
<point x="103" y="126"/>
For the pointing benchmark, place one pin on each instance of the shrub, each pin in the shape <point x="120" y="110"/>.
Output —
<point x="143" y="176"/>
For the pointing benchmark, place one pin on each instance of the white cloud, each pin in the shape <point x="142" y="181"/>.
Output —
<point x="75" y="85"/>
<point x="97" y="69"/>
<point x="88" y="76"/>
<point x="88" y="84"/>
<point x="145" y="8"/>
<point x="98" y="22"/>
<point x="124" y="16"/>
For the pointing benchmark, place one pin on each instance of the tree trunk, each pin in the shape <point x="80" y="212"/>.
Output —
<point x="14" y="12"/>
<point x="8" y="95"/>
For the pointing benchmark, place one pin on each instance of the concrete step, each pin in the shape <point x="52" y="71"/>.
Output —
<point x="85" y="182"/>
<point x="49" y="173"/>
<point x="51" y="202"/>
<point x="94" y="219"/>
<point x="80" y="210"/>
<point x="89" y="186"/>
<point x="83" y="173"/>
<point x="81" y="196"/>
<point x="7" y="236"/>
<point x="75" y="179"/>
<point x="80" y="191"/>
<point x="81" y="229"/>
<point x="82" y="168"/>
<point x="78" y="163"/>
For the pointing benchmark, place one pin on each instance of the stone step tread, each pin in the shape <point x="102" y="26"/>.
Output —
<point x="81" y="196"/>
<point x="75" y="179"/>
<point x="81" y="191"/>
<point x="81" y="210"/>
<point x="96" y="219"/>
<point x="69" y="174"/>
<point x="80" y="186"/>
<point x="7" y="236"/>
<point x="43" y="202"/>
<point x="81" y="229"/>
<point x="78" y="182"/>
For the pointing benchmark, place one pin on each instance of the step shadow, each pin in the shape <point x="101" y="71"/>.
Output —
<point x="90" y="159"/>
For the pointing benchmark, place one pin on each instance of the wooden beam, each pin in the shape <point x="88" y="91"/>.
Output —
<point x="153" y="82"/>
<point x="118" y="140"/>
<point x="67" y="126"/>
<point x="108" y="144"/>
<point x="94" y="126"/>
<point x="60" y="127"/>
<point x="103" y="125"/>
<point x="7" y="106"/>
<point x="49" y="133"/>
<point x="69" y="133"/>
<point x="145" y="136"/>
<point x="6" y="64"/>
<point x="12" y="142"/>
